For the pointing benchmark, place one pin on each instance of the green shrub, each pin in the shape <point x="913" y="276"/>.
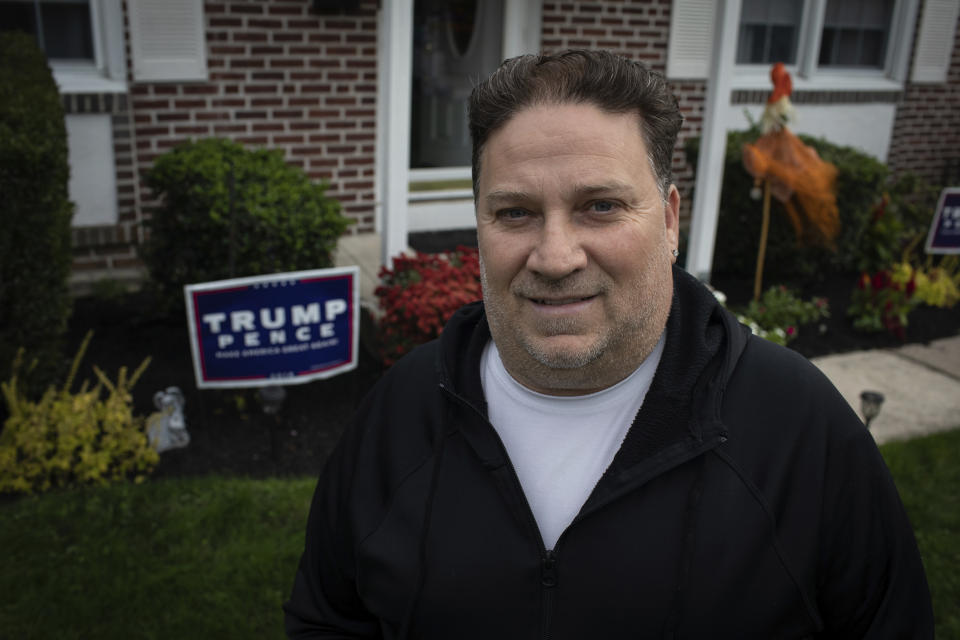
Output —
<point x="231" y="212"/>
<point x="35" y="212"/>
<point x="69" y="439"/>
<point x="861" y="182"/>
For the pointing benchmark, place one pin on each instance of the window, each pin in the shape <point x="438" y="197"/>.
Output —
<point x="83" y="40"/>
<point x="827" y="35"/>
<point x="769" y="31"/>
<point x="63" y="28"/>
<point x="855" y="33"/>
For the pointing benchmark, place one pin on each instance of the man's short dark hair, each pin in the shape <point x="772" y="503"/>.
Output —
<point x="610" y="82"/>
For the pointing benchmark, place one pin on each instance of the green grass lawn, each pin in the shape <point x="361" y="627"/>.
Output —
<point x="927" y="473"/>
<point x="215" y="557"/>
<point x="192" y="558"/>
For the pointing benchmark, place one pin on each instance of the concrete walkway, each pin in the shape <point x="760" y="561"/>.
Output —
<point x="921" y="385"/>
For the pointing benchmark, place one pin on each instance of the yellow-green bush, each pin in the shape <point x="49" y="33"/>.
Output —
<point x="68" y="439"/>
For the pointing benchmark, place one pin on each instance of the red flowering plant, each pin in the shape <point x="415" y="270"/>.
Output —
<point x="420" y="294"/>
<point x="882" y="303"/>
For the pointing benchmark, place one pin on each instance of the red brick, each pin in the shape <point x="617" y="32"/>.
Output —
<point x="306" y="151"/>
<point x="139" y="104"/>
<point x="200" y="89"/>
<point x="189" y="104"/>
<point x="227" y="50"/>
<point x="288" y="139"/>
<point x="261" y="88"/>
<point x="226" y="22"/>
<point x="285" y="10"/>
<point x="265" y="50"/>
<point x="287" y="113"/>
<point x="229" y="128"/>
<point x="211" y="115"/>
<point x="281" y="36"/>
<point x="285" y="63"/>
<point x="192" y="130"/>
<point x="172" y="117"/>
<point x="266" y="102"/>
<point x="246" y="63"/>
<point x="306" y="75"/>
<point x="267" y="126"/>
<point x="246" y="8"/>
<point x="228" y="76"/>
<point x="249" y="36"/>
<point x="264" y="23"/>
<point x="311" y="24"/>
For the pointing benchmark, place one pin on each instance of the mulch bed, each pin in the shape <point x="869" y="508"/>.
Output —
<point x="230" y="434"/>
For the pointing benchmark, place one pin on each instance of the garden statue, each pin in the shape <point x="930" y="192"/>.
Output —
<point x="792" y="172"/>
<point x="166" y="428"/>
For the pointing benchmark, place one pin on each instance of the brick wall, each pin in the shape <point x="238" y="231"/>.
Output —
<point x="280" y="77"/>
<point x="926" y="132"/>
<point x="639" y="30"/>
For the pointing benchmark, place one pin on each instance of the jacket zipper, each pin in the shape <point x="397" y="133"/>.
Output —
<point x="548" y="557"/>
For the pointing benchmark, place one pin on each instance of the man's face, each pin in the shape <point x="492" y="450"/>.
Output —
<point x="575" y="247"/>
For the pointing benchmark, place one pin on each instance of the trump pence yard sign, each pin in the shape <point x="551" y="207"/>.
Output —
<point x="284" y="328"/>
<point x="944" y="235"/>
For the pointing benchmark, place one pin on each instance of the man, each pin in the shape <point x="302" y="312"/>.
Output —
<point x="599" y="450"/>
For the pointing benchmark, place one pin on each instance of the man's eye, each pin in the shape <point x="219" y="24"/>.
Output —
<point x="602" y="206"/>
<point x="512" y="214"/>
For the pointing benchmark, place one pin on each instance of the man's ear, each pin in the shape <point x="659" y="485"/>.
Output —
<point x="671" y="214"/>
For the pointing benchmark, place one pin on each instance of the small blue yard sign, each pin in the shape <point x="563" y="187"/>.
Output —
<point x="944" y="235"/>
<point x="283" y="328"/>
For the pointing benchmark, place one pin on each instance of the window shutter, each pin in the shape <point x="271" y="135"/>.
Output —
<point x="167" y="40"/>
<point x="691" y="38"/>
<point x="938" y="26"/>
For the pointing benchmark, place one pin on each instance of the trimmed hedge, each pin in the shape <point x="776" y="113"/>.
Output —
<point x="35" y="212"/>
<point x="232" y="212"/>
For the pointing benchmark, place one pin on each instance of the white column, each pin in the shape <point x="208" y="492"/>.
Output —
<point x="713" y="141"/>
<point x="393" y="121"/>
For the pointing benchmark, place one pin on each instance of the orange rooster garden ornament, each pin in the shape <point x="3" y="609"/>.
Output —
<point x="792" y="172"/>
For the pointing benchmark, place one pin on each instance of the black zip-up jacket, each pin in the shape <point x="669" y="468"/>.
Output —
<point x="746" y="501"/>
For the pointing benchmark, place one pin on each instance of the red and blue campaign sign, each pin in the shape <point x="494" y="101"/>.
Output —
<point x="284" y="328"/>
<point x="944" y="236"/>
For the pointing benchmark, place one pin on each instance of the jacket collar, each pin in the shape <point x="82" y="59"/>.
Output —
<point x="681" y="409"/>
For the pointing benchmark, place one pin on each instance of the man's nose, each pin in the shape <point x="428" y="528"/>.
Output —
<point x="558" y="251"/>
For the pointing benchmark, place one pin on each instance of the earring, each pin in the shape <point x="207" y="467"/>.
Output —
<point x="676" y="253"/>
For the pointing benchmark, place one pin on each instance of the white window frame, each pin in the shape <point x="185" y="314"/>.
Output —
<point x="108" y="71"/>
<point x="808" y="75"/>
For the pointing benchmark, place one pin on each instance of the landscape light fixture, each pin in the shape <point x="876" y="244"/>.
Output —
<point x="870" y="403"/>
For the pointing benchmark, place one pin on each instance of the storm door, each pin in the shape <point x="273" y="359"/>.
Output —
<point x="455" y="42"/>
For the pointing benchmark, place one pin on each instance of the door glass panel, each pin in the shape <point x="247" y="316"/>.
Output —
<point x="455" y="42"/>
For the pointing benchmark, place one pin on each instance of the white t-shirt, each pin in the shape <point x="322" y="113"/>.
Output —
<point x="561" y="445"/>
